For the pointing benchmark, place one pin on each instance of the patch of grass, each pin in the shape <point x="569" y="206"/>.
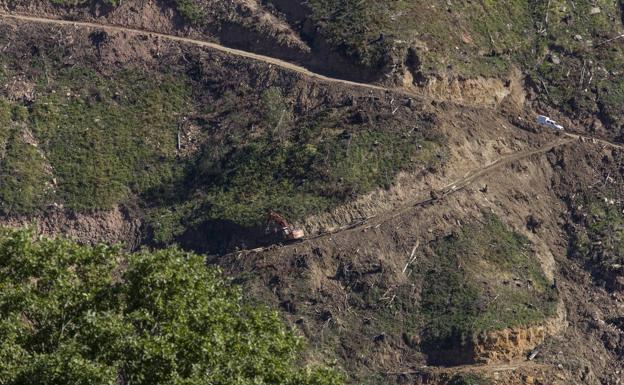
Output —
<point x="24" y="182"/>
<point x="484" y="278"/>
<point x="108" y="138"/>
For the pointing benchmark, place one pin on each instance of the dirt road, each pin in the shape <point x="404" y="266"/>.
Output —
<point x="372" y="221"/>
<point x="436" y="196"/>
<point x="593" y="139"/>
<point x="201" y="43"/>
<point x="469" y="178"/>
<point x="456" y="185"/>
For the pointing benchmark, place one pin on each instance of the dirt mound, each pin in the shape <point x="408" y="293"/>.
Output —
<point x="513" y="344"/>
<point x="117" y="226"/>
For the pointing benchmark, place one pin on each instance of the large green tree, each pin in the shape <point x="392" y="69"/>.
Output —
<point x="74" y="314"/>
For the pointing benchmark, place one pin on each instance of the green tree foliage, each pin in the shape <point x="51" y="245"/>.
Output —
<point x="91" y="315"/>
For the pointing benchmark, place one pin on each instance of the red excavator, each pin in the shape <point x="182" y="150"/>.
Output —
<point x="276" y="224"/>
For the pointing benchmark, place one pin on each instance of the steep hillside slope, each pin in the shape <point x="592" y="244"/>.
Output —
<point x="159" y="130"/>
<point x="571" y="52"/>
<point x="449" y="239"/>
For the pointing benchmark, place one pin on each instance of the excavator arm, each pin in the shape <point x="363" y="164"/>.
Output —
<point x="275" y="220"/>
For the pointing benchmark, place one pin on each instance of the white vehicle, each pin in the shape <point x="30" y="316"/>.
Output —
<point x="548" y="122"/>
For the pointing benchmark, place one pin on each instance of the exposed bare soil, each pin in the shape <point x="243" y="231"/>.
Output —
<point x="116" y="226"/>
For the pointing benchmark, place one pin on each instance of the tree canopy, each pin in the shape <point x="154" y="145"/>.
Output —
<point x="73" y="314"/>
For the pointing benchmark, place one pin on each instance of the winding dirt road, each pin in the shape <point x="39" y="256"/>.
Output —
<point x="447" y="190"/>
<point x="201" y="43"/>
<point x="417" y="202"/>
<point x="371" y="221"/>
<point x="456" y="185"/>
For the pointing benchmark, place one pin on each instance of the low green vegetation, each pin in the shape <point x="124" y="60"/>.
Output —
<point x="308" y="170"/>
<point x="356" y="27"/>
<point x="483" y="278"/>
<point x="560" y="45"/>
<point x="597" y="241"/>
<point x="467" y="38"/>
<point x="93" y="141"/>
<point x="190" y="10"/>
<point x="578" y="70"/>
<point x="24" y="180"/>
<point x="108" y="138"/>
<point x="92" y="315"/>
<point x="23" y="176"/>
<point x="97" y="140"/>
<point x="323" y="162"/>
